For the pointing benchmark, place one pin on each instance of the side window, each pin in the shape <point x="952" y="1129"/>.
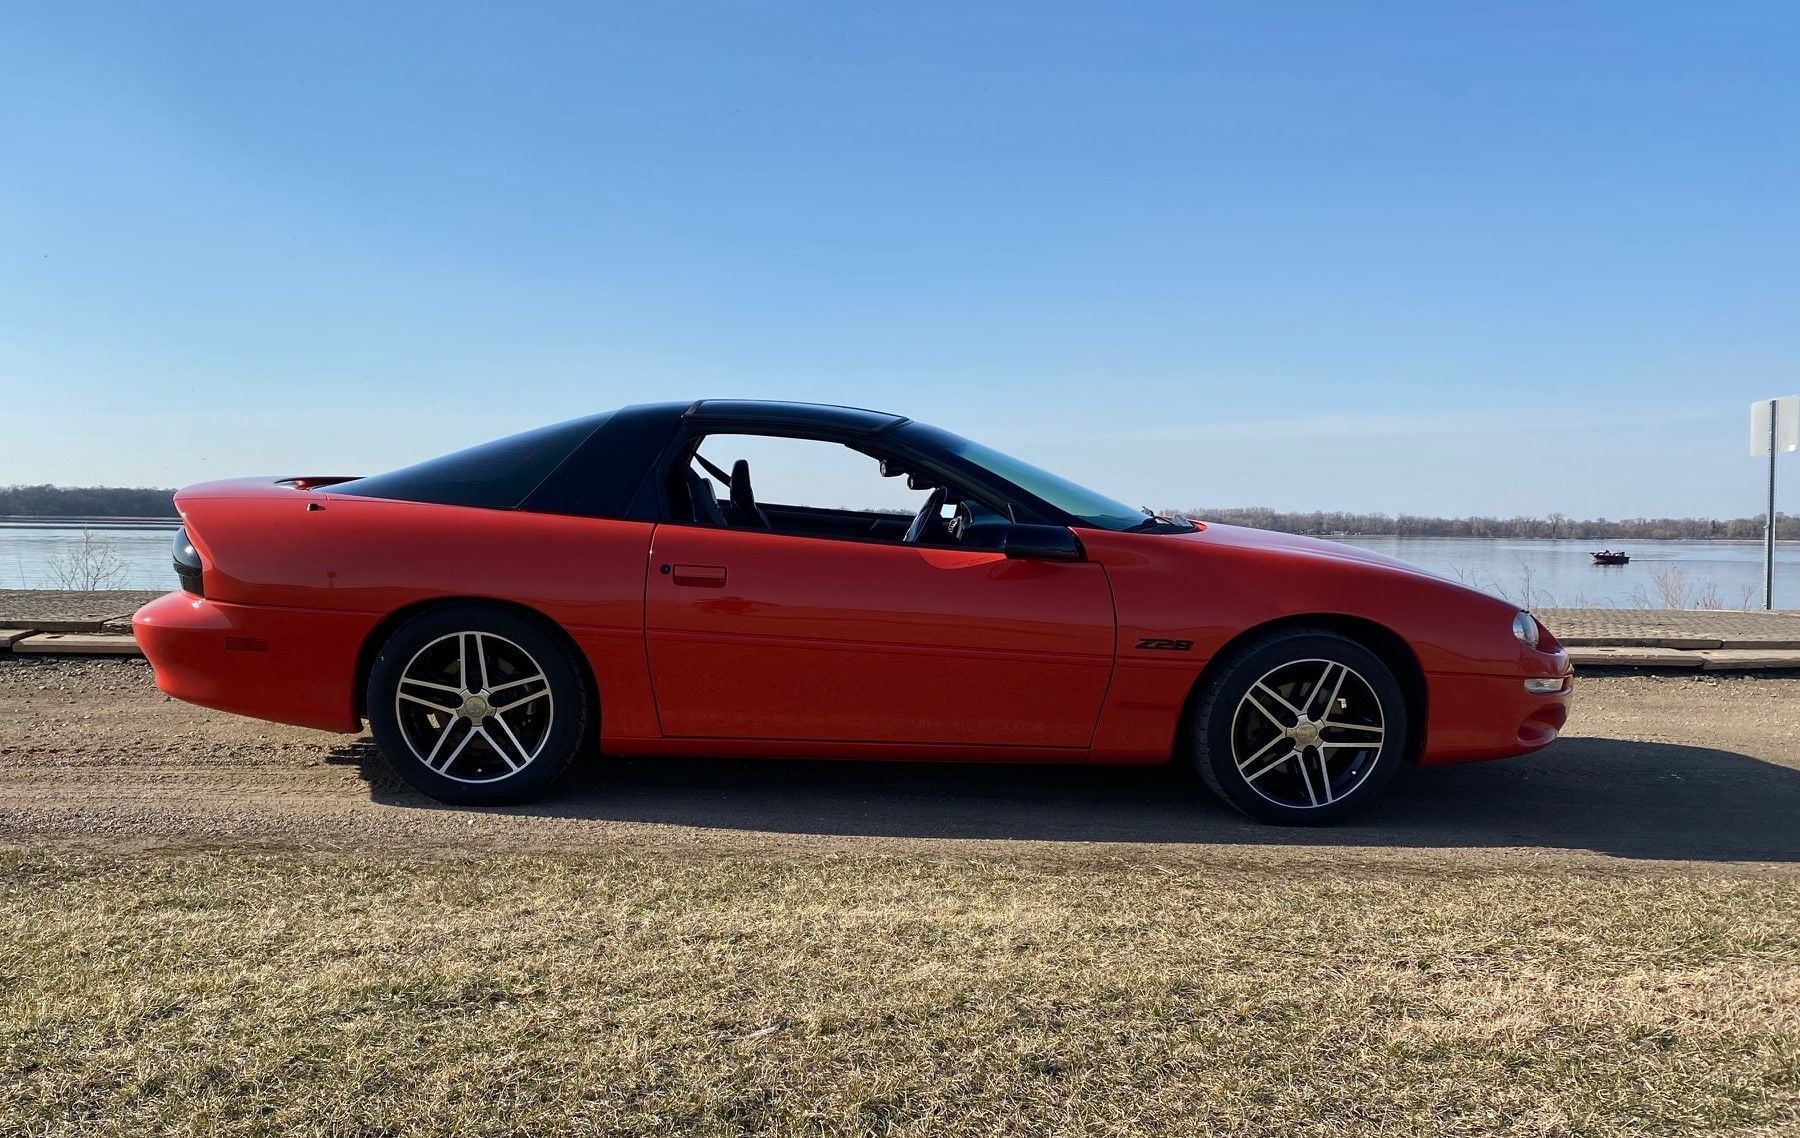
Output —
<point x="801" y="486"/>
<point x="496" y="475"/>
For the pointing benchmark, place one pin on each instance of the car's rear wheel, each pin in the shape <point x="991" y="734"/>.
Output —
<point x="477" y="705"/>
<point x="1301" y="728"/>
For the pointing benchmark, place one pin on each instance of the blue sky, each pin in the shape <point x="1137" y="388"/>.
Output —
<point x="1406" y="257"/>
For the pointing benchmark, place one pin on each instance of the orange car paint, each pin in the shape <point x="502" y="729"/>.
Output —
<point x="755" y="643"/>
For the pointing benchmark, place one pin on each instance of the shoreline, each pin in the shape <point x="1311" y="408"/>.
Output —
<point x="36" y="622"/>
<point x="21" y="521"/>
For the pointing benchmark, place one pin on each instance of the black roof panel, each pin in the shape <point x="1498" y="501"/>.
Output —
<point x="796" y="414"/>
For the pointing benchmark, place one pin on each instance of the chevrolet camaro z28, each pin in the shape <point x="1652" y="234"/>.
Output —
<point x="616" y="583"/>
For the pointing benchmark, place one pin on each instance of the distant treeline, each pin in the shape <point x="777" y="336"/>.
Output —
<point x="86" y="502"/>
<point x="136" y="502"/>
<point x="1556" y="525"/>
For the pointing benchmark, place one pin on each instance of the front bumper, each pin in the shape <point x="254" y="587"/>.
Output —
<point x="285" y="665"/>
<point x="1491" y="717"/>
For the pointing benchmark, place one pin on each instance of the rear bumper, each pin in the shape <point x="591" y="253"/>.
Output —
<point x="1472" y="718"/>
<point x="284" y="665"/>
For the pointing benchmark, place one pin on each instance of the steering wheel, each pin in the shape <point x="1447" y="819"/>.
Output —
<point x="928" y="513"/>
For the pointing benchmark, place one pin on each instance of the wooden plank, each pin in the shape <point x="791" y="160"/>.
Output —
<point x="1645" y="640"/>
<point x="1743" y="659"/>
<point x="77" y="644"/>
<point x="53" y="624"/>
<point x="1643" y="656"/>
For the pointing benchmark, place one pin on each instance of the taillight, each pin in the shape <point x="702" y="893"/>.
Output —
<point x="187" y="563"/>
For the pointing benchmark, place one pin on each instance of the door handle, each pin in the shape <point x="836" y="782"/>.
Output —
<point x="699" y="576"/>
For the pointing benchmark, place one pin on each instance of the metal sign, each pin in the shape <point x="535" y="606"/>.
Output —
<point x="1774" y="427"/>
<point x="1774" y="422"/>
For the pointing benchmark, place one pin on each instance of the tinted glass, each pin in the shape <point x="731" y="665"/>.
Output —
<point x="1077" y="501"/>
<point x="497" y="475"/>
<point x="605" y="473"/>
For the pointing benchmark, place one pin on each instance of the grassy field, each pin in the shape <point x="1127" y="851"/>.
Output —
<point x="907" y="995"/>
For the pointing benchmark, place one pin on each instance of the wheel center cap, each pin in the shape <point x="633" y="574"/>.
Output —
<point x="1306" y="733"/>
<point x="475" y="707"/>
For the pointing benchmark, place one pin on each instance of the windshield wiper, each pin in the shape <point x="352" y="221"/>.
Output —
<point x="1153" y="520"/>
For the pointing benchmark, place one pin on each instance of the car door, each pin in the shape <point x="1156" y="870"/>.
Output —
<point x="759" y="635"/>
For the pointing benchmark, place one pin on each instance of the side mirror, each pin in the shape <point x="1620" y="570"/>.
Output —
<point x="1041" y="543"/>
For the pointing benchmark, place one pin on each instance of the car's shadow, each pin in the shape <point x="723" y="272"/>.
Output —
<point x="1628" y="799"/>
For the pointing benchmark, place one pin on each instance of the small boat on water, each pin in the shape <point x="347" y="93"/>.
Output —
<point x="1612" y="557"/>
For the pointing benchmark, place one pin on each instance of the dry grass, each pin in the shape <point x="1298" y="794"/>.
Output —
<point x="209" y="993"/>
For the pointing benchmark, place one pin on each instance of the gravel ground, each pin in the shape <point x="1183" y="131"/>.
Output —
<point x="211" y="925"/>
<point x="1699" y="769"/>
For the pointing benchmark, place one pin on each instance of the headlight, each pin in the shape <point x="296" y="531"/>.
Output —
<point x="1525" y="627"/>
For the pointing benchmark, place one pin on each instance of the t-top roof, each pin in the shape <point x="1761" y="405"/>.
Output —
<point x="799" y="414"/>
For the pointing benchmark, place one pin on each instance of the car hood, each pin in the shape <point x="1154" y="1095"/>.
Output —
<point x="1315" y="549"/>
<point x="1247" y="538"/>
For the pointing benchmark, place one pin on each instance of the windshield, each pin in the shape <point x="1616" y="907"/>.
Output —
<point x="1092" y="508"/>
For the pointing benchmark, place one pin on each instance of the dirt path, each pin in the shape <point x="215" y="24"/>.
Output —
<point x="1695" y="769"/>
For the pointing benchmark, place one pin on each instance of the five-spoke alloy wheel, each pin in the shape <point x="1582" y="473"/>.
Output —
<point x="477" y="705"/>
<point x="1301" y="728"/>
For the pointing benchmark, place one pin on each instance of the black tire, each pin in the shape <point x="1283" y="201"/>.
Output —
<point x="1259" y="710"/>
<point x="514" y="756"/>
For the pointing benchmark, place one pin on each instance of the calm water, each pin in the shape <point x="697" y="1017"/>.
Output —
<point x="31" y="555"/>
<point x="1548" y="574"/>
<point x="1552" y="572"/>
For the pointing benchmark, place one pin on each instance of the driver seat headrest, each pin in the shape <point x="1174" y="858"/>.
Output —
<point x="743" y="498"/>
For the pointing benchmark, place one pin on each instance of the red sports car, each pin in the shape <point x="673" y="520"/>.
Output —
<point x="894" y="591"/>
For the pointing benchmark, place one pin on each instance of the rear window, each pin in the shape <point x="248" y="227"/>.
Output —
<point x="499" y="475"/>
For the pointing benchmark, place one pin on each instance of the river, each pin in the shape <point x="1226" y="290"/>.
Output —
<point x="1562" y="574"/>
<point x="1544" y="574"/>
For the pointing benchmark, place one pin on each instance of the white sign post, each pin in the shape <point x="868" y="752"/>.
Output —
<point x="1774" y="427"/>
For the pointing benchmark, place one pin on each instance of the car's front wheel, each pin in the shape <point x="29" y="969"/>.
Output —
<point x="477" y="705"/>
<point x="1301" y="728"/>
